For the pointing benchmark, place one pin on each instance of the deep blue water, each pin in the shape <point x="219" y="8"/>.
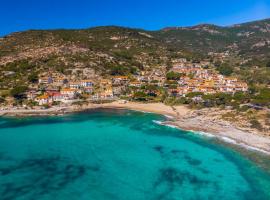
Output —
<point x="113" y="154"/>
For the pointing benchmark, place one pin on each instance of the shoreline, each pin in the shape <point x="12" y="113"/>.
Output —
<point x="179" y="117"/>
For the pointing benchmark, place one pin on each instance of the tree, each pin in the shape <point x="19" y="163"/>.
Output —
<point x="33" y="78"/>
<point x="173" y="76"/>
<point x="18" y="92"/>
<point x="240" y="97"/>
<point x="118" y="70"/>
<point x="255" y="124"/>
<point x="268" y="64"/>
<point x="263" y="98"/>
<point x="225" y="69"/>
<point x="141" y="96"/>
<point x="2" y="100"/>
<point x="194" y="94"/>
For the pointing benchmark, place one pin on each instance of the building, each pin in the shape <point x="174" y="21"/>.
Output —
<point x="70" y="92"/>
<point x="88" y="90"/>
<point x="120" y="80"/>
<point x="135" y="84"/>
<point x="86" y="83"/>
<point x="45" y="80"/>
<point x="75" y="85"/>
<point x="32" y="94"/>
<point x="60" y="81"/>
<point x="43" y="99"/>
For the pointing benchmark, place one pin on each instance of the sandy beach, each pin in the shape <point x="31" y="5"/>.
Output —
<point x="180" y="116"/>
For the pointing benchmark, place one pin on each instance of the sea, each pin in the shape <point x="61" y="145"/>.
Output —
<point x="108" y="154"/>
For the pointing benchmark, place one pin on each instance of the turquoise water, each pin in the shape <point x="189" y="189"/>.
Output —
<point x="111" y="155"/>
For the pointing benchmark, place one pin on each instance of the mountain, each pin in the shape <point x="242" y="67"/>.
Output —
<point x="120" y="50"/>
<point x="247" y="40"/>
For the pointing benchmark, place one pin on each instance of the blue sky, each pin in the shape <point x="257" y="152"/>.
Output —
<point x="18" y="15"/>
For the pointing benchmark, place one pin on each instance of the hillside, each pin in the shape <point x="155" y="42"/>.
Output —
<point x="118" y="50"/>
<point x="248" y="40"/>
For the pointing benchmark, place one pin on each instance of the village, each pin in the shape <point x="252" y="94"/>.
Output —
<point x="198" y="78"/>
<point x="55" y="88"/>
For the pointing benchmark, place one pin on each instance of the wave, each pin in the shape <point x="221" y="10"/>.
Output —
<point x="203" y="133"/>
<point x="234" y="142"/>
<point x="169" y="116"/>
<point x="164" y="124"/>
<point x="223" y="138"/>
<point x="142" y="111"/>
<point x="158" y="122"/>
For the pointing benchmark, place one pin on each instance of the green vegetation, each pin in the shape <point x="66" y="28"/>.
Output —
<point x="256" y="124"/>
<point x="141" y="96"/>
<point x="33" y="78"/>
<point x="225" y="69"/>
<point x="268" y="64"/>
<point x="263" y="98"/>
<point x="173" y="76"/>
<point x="18" y="92"/>
<point x="123" y="51"/>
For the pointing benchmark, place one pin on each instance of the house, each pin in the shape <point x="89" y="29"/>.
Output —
<point x="56" y="96"/>
<point x="75" y="85"/>
<point x="135" y="84"/>
<point x="86" y="83"/>
<point x="32" y="94"/>
<point x="119" y="80"/>
<point x="45" y="80"/>
<point x="70" y="92"/>
<point x="174" y="92"/>
<point x="88" y="90"/>
<point x="43" y="99"/>
<point x="241" y="87"/>
<point x="107" y="93"/>
<point x="60" y="81"/>
<point x="118" y="90"/>
<point x="105" y="82"/>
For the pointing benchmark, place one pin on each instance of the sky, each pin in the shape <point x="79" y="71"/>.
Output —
<point x="20" y="15"/>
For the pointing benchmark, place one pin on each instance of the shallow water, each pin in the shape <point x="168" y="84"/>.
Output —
<point x="113" y="154"/>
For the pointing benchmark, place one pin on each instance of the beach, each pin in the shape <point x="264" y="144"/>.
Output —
<point x="187" y="119"/>
<point x="202" y="122"/>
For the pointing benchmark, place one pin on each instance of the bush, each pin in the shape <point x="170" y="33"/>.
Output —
<point x="243" y="108"/>
<point x="225" y="69"/>
<point x="256" y="124"/>
<point x="173" y="76"/>
<point x="263" y="98"/>
<point x="33" y="78"/>
<point x="140" y="96"/>
<point x="268" y="64"/>
<point x="18" y="92"/>
<point x="2" y="100"/>
<point x="194" y="94"/>
<point x="240" y="97"/>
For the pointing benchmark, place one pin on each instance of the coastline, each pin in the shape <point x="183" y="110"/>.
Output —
<point x="179" y="117"/>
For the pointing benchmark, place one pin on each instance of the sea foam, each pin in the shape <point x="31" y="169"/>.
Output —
<point x="223" y="138"/>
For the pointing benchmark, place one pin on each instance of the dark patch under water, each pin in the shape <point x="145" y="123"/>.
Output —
<point x="40" y="176"/>
<point x="121" y="155"/>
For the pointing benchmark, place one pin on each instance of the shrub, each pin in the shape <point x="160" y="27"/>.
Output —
<point x="140" y="96"/>
<point x="18" y="92"/>
<point x="33" y="78"/>
<point x="256" y="124"/>
<point x="225" y="69"/>
<point x="173" y="76"/>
